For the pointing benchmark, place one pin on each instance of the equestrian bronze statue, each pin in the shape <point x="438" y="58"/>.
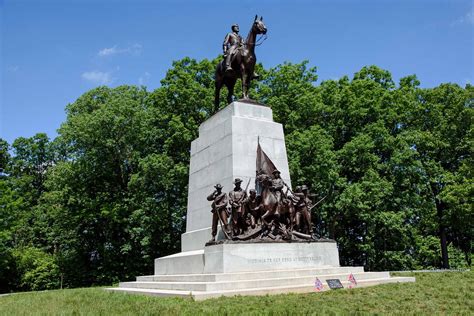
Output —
<point x="239" y="61"/>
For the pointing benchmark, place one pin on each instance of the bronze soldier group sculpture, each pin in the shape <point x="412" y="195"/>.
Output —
<point x="272" y="211"/>
<point x="239" y="61"/>
<point x="244" y="216"/>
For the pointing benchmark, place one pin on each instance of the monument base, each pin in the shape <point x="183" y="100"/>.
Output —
<point x="244" y="257"/>
<point x="251" y="269"/>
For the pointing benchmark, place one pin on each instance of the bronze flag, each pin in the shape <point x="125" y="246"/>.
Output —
<point x="264" y="164"/>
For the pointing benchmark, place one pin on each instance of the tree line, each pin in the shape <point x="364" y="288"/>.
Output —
<point x="104" y="198"/>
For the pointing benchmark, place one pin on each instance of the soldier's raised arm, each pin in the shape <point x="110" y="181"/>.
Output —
<point x="212" y="196"/>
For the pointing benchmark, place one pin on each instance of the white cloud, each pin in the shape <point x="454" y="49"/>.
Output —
<point x="468" y="18"/>
<point x="108" y="51"/>
<point x="145" y="77"/>
<point x="134" y="49"/>
<point x="97" y="77"/>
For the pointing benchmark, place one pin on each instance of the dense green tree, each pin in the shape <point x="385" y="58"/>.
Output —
<point x="289" y="89"/>
<point x="4" y="154"/>
<point x="11" y="206"/>
<point x="37" y="269"/>
<point x="441" y="128"/>
<point x="374" y="128"/>
<point x="23" y="224"/>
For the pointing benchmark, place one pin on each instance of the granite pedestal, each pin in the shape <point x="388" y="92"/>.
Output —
<point x="226" y="149"/>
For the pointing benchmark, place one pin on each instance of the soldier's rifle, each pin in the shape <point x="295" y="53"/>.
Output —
<point x="247" y="187"/>
<point x="222" y="223"/>
<point x="286" y="185"/>
<point x="330" y="191"/>
<point x="317" y="203"/>
<point x="245" y="195"/>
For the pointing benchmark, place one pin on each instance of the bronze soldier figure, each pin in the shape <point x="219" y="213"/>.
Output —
<point x="299" y="204"/>
<point x="259" y="178"/>
<point x="295" y="199"/>
<point x="303" y="213"/>
<point x="232" y="42"/>
<point x="236" y="200"/>
<point x="254" y="208"/>
<point x="277" y="186"/>
<point x="219" y="212"/>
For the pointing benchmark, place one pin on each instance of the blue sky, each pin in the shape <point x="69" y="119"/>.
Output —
<point x="52" y="51"/>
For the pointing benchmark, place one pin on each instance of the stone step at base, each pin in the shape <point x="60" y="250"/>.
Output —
<point x="300" y="288"/>
<point x="275" y="280"/>
<point x="189" y="262"/>
<point x="151" y="292"/>
<point x="248" y="275"/>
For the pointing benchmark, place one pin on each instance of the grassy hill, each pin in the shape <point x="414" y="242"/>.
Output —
<point x="433" y="293"/>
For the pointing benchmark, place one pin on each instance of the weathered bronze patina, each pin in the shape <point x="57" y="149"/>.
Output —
<point x="219" y="212"/>
<point x="236" y="202"/>
<point x="239" y="61"/>
<point x="268" y="213"/>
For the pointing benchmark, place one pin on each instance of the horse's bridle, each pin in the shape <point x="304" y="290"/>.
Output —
<point x="259" y="41"/>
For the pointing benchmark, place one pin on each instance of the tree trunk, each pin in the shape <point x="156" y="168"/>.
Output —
<point x="442" y="234"/>
<point x="440" y="207"/>
<point x="444" y="247"/>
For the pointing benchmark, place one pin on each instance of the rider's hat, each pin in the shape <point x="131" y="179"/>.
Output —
<point x="218" y="186"/>
<point x="237" y="180"/>
<point x="276" y="171"/>
<point x="304" y="187"/>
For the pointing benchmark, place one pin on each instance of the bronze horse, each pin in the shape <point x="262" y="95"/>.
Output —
<point x="243" y="66"/>
<point x="282" y="213"/>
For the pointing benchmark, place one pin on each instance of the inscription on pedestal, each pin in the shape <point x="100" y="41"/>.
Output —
<point x="316" y="259"/>
<point x="229" y="258"/>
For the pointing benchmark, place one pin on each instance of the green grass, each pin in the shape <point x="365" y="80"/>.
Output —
<point x="433" y="293"/>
